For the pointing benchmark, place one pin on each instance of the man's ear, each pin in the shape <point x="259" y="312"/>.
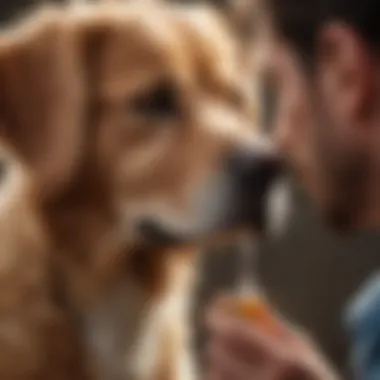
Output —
<point x="42" y="97"/>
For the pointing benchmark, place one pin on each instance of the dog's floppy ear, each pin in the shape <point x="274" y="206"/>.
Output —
<point x="42" y="98"/>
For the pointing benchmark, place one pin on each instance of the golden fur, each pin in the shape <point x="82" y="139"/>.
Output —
<point x="80" y="163"/>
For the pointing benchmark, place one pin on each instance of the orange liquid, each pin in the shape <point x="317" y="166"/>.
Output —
<point x="254" y="309"/>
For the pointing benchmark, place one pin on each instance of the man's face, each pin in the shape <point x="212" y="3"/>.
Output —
<point x="322" y="122"/>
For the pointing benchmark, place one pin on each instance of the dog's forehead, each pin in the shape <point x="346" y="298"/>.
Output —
<point x="179" y="40"/>
<point x="208" y="39"/>
<point x="142" y="43"/>
<point x="207" y="32"/>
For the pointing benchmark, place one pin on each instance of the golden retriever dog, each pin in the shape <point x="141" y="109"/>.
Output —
<point x="126" y="134"/>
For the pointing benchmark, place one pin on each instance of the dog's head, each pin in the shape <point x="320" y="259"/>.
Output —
<point x="146" y="110"/>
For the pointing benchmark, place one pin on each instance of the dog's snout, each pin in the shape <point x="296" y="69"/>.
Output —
<point x="252" y="174"/>
<point x="255" y="170"/>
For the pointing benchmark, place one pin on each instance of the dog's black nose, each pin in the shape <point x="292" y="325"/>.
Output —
<point x="251" y="174"/>
<point x="254" y="170"/>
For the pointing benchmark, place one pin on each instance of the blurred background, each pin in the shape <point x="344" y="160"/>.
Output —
<point x="307" y="273"/>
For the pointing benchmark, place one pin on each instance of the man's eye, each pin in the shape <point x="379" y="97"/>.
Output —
<point x="161" y="102"/>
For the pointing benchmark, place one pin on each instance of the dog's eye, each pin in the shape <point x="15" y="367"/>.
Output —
<point x="161" y="102"/>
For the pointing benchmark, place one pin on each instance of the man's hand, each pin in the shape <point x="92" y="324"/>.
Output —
<point x="240" y="350"/>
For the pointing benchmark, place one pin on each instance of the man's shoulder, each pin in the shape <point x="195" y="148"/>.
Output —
<point x="364" y="305"/>
<point x="362" y="317"/>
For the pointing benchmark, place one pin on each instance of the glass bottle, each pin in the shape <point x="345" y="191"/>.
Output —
<point x="249" y="302"/>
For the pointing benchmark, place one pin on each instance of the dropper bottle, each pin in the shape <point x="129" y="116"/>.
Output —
<point x="251" y="304"/>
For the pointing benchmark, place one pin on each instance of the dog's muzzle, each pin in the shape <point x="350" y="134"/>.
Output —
<point x="247" y="175"/>
<point x="251" y="175"/>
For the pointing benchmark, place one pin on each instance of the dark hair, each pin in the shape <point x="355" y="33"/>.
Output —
<point x="299" y="21"/>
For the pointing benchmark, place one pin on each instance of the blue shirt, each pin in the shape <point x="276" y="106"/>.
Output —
<point x="362" y="318"/>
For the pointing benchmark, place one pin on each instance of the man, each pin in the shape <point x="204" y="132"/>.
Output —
<point x="325" y="63"/>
